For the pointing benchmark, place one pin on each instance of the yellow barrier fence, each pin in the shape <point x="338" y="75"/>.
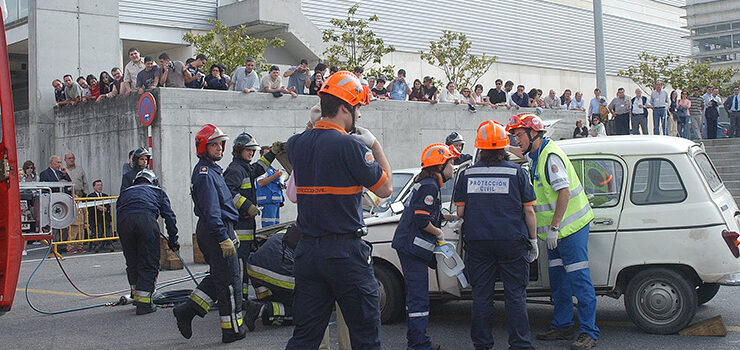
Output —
<point x="93" y="225"/>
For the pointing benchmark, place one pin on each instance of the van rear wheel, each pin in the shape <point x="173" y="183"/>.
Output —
<point x="390" y="294"/>
<point x="660" y="300"/>
<point x="706" y="292"/>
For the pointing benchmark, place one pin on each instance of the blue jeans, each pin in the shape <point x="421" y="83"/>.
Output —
<point x="569" y="276"/>
<point x="658" y="118"/>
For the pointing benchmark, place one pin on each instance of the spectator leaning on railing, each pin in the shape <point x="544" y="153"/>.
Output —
<point x="399" y="88"/>
<point x="72" y="90"/>
<point x="173" y="72"/>
<point x="194" y="77"/>
<point x="215" y="80"/>
<point x="131" y="71"/>
<point x="271" y="83"/>
<point x="245" y="79"/>
<point x="59" y="95"/>
<point x="148" y="78"/>
<point x="297" y="76"/>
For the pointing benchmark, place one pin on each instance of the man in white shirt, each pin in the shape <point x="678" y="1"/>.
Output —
<point x="245" y="79"/>
<point x="578" y="103"/>
<point x="638" y="113"/>
<point x="660" y="102"/>
<point x="131" y="71"/>
<point x="552" y="101"/>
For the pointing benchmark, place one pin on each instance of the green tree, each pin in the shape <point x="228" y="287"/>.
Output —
<point x="701" y="74"/>
<point x="231" y="46"/>
<point x="650" y="70"/>
<point x="353" y="43"/>
<point x="681" y="76"/>
<point x="451" y="53"/>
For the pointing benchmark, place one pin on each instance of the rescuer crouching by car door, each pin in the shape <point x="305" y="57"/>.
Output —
<point x="563" y="220"/>
<point x="495" y="199"/>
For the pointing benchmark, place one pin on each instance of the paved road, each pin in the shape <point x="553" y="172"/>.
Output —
<point x="118" y="327"/>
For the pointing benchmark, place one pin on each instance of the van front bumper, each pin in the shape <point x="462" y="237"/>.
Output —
<point x="732" y="279"/>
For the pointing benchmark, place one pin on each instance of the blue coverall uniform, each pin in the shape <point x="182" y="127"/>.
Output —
<point x="240" y="178"/>
<point x="138" y="207"/>
<point x="271" y="273"/>
<point x="495" y="235"/>
<point x="216" y="214"/>
<point x="270" y="198"/>
<point x="415" y="248"/>
<point x="332" y="263"/>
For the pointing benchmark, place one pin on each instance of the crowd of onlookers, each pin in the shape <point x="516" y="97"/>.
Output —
<point x="682" y="115"/>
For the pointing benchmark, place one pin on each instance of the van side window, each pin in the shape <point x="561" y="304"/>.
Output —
<point x="656" y="181"/>
<point x="601" y="180"/>
<point x="707" y="169"/>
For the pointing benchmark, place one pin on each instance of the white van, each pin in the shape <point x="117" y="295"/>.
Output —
<point x="664" y="233"/>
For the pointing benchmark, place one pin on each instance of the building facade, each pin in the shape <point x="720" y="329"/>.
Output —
<point x="714" y="27"/>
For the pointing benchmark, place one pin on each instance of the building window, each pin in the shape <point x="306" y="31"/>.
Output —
<point x="716" y="43"/>
<point x="736" y="41"/>
<point x="718" y="58"/>
<point x="656" y="181"/>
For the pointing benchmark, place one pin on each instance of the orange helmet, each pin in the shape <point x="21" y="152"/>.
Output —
<point x="209" y="133"/>
<point x="345" y="86"/>
<point x="525" y="120"/>
<point x="491" y="135"/>
<point x="436" y="154"/>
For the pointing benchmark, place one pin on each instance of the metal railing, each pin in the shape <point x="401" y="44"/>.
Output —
<point x="93" y="225"/>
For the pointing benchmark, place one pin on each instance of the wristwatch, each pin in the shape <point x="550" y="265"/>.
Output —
<point x="554" y="228"/>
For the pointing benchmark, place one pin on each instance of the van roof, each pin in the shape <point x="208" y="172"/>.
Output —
<point x="626" y="145"/>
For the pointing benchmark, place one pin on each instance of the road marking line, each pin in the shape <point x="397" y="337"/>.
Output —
<point x="54" y="292"/>
<point x="733" y="328"/>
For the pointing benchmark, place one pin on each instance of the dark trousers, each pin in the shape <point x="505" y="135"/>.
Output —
<point x="224" y="282"/>
<point x="711" y="126"/>
<point x="278" y="303"/>
<point x="139" y="235"/>
<point x="622" y="124"/>
<point x="328" y="270"/>
<point x="245" y="248"/>
<point x="100" y="229"/>
<point x="509" y="258"/>
<point x="639" y="121"/>
<point x="734" y="124"/>
<point x="416" y="275"/>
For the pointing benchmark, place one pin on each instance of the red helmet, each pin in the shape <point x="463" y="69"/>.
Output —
<point x="345" y="86"/>
<point x="436" y="154"/>
<point x="209" y="133"/>
<point x="525" y="120"/>
<point x="491" y="135"/>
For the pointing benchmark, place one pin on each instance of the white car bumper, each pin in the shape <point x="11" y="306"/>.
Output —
<point x="732" y="279"/>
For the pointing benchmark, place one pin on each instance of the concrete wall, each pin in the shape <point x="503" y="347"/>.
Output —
<point x="102" y="134"/>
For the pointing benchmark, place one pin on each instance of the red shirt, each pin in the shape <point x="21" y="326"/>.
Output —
<point x="95" y="92"/>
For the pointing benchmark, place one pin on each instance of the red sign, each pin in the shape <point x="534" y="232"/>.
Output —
<point x="147" y="109"/>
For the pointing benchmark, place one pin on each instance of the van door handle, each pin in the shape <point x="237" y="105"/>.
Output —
<point x="603" y="221"/>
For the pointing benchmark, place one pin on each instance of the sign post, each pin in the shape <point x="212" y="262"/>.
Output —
<point x="147" y="109"/>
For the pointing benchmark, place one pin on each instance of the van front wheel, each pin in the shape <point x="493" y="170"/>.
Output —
<point x="660" y="300"/>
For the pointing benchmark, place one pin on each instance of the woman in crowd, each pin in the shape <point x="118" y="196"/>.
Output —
<point x="417" y="93"/>
<point x="672" y="109"/>
<point x="379" y="90"/>
<point x="449" y="95"/>
<point x="535" y="98"/>
<point x="314" y="85"/>
<point x="466" y="96"/>
<point x="107" y="86"/>
<point x="478" y="96"/>
<point x="682" y="114"/>
<point x="94" y="86"/>
<point x="29" y="172"/>
<point x="597" y="127"/>
<point x="580" y="131"/>
<point x="215" y="80"/>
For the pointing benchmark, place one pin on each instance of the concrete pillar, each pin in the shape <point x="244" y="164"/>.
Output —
<point x="76" y="37"/>
<point x="599" y="46"/>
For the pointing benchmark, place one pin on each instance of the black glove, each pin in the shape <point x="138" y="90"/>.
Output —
<point x="173" y="244"/>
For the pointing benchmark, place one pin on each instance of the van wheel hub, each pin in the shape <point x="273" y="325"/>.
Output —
<point x="659" y="301"/>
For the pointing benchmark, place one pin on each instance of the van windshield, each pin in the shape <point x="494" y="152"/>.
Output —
<point x="708" y="171"/>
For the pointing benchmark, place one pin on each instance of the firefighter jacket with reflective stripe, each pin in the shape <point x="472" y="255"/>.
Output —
<point x="145" y="199"/>
<point x="272" y="265"/>
<point x="212" y="199"/>
<point x="422" y="207"/>
<point x="240" y="176"/>
<point x="272" y="193"/>
<point x="579" y="212"/>
<point x="493" y="197"/>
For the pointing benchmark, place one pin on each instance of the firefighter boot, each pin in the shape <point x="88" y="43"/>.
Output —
<point x="184" y="315"/>
<point x="254" y="309"/>
<point x="143" y="309"/>
<point x="229" y="336"/>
